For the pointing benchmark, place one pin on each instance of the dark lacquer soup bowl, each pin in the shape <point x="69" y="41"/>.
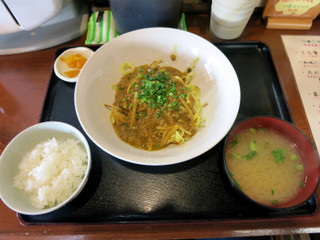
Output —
<point x="271" y="162"/>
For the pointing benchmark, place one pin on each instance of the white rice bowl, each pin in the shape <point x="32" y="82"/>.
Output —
<point x="52" y="171"/>
<point x="35" y="177"/>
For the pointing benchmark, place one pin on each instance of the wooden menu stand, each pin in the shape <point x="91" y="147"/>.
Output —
<point x="291" y="14"/>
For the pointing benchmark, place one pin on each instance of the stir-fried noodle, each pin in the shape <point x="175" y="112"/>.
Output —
<point x="156" y="106"/>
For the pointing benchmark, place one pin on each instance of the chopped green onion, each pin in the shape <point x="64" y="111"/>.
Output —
<point x="156" y="88"/>
<point x="237" y="183"/>
<point x="234" y="141"/>
<point x="253" y="130"/>
<point x="293" y="156"/>
<point x="250" y="155"/>
<point x="279" y="155"/>
<point x="252" y="146"/>
<point x="158" y="114"/>
<point x="236" y="155"/>
<point x="299" y="167"/>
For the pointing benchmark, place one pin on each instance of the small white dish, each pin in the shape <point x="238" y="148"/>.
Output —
<point x="13" y="154"/>
<point x="215" y="76"/>
<point x="60" y="67"/>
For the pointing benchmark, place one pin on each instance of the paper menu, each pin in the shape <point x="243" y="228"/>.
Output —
<point x="304" y="56"/>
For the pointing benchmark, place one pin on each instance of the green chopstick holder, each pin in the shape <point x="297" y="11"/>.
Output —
<point x="101" y="27"/>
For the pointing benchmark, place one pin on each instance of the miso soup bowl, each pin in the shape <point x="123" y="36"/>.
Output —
<point x="301" y="143"/>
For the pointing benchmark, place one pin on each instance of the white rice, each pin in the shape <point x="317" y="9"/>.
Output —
<point x="52" y="171"/>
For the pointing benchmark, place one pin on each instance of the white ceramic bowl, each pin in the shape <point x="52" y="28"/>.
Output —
<point x="12" y="155"/>
<point x="215" y="76"/>
<point x="60" y="67"/>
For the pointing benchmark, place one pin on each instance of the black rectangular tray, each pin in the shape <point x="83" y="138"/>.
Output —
<point x="118" y="191"/>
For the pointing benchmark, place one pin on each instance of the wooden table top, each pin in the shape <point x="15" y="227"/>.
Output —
<point x="24" y="80"/>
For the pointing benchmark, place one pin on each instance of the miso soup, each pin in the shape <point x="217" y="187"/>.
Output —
<point x="265" y="166"/>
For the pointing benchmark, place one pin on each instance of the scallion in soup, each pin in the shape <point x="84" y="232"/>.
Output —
<point x="265" y="165"/>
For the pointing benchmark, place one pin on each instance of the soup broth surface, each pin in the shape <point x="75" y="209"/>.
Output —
<point x="265" y="165"/>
